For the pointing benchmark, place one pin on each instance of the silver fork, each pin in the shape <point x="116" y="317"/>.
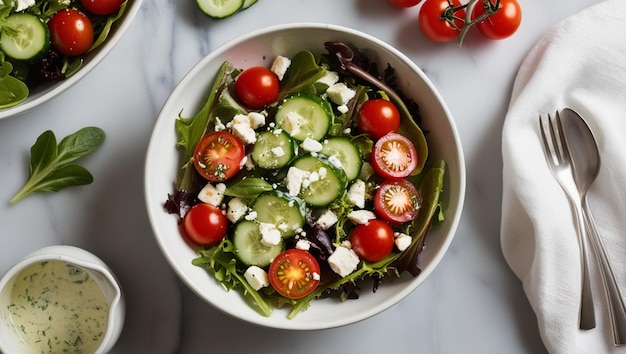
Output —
<point x="560" y="164"/>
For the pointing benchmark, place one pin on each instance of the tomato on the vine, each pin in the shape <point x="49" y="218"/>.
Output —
<point x="438" y="20"/>
<point x="503" y="23"/>
<point x="71" y="32"/>
<point x="218" y="156"/>
<point x="102" y="7"/>
<point x="394" y="156"/>
<point x="372" y="241"/>
<point x="257" y="87"/>
<point x="397" y="201"/>
<point x="404" y="3"/>
<point x="378" y="117"/>
<point x="294" y="273"/>
<point x="205" y="224"/>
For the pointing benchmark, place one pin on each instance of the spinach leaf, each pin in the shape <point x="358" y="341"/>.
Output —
<point x="51" y="167"/>
<point x="248" y="188"/>
<point x="301" y="74"/>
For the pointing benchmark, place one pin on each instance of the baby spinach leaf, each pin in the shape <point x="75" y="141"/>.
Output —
<point x="248" y="188"/>
<point x="51" y="168"/>
<point x="301" y="74"/>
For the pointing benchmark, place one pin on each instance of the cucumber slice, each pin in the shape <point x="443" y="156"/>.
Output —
<point x="248" y="3"/>
<point x="346" y="152"/>
<point x="282" y="210"/>
<point x="273" y="149"/>
<point x="304" y="116"/>
<point x="220" y="8"/>
<point x="330" y="186"/>
<point x="25" y="37"/>
<point x="248" y="245"/>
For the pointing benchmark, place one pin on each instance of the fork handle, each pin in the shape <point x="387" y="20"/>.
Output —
<point x="587" y="319"/>
<point x="617" y="310"/>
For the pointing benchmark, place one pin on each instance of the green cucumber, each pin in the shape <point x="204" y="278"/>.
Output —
<point x="220" y="8"/>
<point x="248" y="3"/>
<point x="346" y="152"/>
<point x="328" y="188"/>
<point x="249" y="247"/>
<point x="273" y="150"/>
<point x="314" y="116"/>
<point x="282" y="210"/>
<point x="25" y="37"/>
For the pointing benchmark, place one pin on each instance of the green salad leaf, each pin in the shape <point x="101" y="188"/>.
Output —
<point x="51" y="168"/>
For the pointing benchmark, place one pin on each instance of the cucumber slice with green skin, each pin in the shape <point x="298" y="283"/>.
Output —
<point x="220" y="8"/>
<point x="248" y="3"/>
<point x="304" y="116"/>
<point x="25" y="37"/>
<point x="330" y="186"/>
<point x="248" y="245"/>
<point x="282" y="210"/>
<point x="346" y="152"/>
<point x="273" y="150"/>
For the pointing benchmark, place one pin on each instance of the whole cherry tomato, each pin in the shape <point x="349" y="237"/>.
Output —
<point x="205" y="224"/>
<point x="434" y="24"/>
<point x="257" y="87"/>
<point x="372" y="241"/>
<point x="378" y="117"/>
<point x="503" y="23"/>
<point x="102" y="7"/>
<point x="71" y="32"/>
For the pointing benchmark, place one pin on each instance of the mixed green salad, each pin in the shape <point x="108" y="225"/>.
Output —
<point x="45" y="41"/>
<point x="302" y="180"/>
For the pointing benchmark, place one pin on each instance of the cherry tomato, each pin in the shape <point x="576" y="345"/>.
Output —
<point x="205" y="224"/>
<point x="397" y="201"/>
<point x="394" y="156"/>
<point x="71" y="32"/>
<point x="404" y="3"/>
<point x="218" y="156"/>
<point x="294" y="273"/>
<point x="372" y="241"/>
<point x="257" y="87"/>
<point x="503" y="23"/>
<point x="433" y="24"/>
<point x="378" y="117"/>
<point x="102" y="7"/>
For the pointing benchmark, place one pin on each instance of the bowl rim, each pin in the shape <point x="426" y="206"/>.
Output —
<point x="100" y="53"/>
<point x="453" y="222"/>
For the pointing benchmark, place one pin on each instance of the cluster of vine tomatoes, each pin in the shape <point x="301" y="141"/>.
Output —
<point x="449" y="20"/>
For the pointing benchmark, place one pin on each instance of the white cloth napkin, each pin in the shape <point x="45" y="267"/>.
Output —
<point x="581" y="64"/>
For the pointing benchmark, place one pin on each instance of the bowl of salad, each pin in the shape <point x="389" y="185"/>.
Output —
<point x="304" y="176"/>
<point x="46" y="46"/>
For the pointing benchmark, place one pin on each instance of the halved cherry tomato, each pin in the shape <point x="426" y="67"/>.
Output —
<point x="378" y="117"/>
<point x="372" y="241"/>
<point x="257" y="87"/>
<point x="433" y="23"/>
<point x="205" y="224"/>
<point x="218" y="156"/>
<point x="71" y="32"/>
<point x="397" y="201"/>
<point x="394" y="156"/>
<point x="102" y="7"/>
<point x="503" y="23"/>
<point x="294" y="273"/>
<point x="404" y="3"/>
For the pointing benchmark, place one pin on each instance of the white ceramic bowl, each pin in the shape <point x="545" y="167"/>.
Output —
<point x="97" y="269"/>
<point x="45" y="93"/>
<point x="259" y="48"/>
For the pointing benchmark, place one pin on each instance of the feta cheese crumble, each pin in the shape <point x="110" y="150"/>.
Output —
<point x="256" y="277"/>
<point x="343" y="261"/>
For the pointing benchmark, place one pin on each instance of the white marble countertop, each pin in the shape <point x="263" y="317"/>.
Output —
<point x="472" y="303"/>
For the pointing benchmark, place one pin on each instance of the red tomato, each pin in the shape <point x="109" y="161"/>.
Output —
<point x="397" y="201"/>
<point x="404" y="3"/>
<point x="394" y="156"/>
<point x="218" y="156"/>
<point x="378" y="117"/>
<point x="372" y="241"/>
<point x="433" y="23"/>
<point x="294" y="273"/>
<point x="102" y="7"/>
<point x="257" y="87"/>
<point x="71" y="32"/>
<point x="205" y="224"/>
<point x="503" y="23"/>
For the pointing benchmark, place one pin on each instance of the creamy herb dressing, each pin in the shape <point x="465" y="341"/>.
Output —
<point x="57" y="307"/>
